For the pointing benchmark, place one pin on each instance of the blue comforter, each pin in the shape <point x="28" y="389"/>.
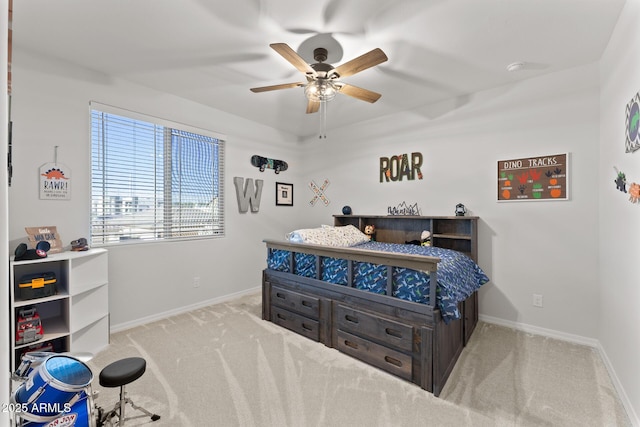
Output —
<point x="458" y="275"/>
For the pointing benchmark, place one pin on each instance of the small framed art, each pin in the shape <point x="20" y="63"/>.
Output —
<point x="284" y="194"/>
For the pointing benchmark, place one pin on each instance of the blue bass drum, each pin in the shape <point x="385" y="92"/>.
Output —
<point x="29" y="363"/>
<point x="59" y="380"/>
<point x="81" y="414"/>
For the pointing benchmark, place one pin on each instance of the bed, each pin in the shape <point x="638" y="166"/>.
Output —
<point x="373" y="300"/>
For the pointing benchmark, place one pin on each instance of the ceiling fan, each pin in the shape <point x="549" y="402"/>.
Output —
<point x="323" y="80"/>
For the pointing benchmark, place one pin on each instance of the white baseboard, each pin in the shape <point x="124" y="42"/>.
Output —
<point x="144" y="320"/>
<point x="631" y="413"/>
<point x="577" y="339"/>
<point x="536" y="330"/>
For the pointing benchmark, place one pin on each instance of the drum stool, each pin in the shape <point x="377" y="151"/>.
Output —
<point x="119" y="374"/>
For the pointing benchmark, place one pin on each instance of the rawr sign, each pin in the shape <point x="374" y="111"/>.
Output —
<point x="55" y="181"/>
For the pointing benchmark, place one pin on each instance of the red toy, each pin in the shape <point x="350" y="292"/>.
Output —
<point x="28" y="326"/>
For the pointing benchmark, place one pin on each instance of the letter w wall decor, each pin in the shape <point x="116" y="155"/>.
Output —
<point x="247" y="194"/>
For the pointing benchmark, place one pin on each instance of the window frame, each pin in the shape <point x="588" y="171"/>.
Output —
<point x="166" y="124"/>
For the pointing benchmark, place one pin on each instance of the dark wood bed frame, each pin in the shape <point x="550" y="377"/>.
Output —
<point x="407" y="339"/>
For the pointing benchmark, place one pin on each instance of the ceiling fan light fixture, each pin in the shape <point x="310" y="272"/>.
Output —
<point x="323" y="82"/>
<point x="321" y="90"/>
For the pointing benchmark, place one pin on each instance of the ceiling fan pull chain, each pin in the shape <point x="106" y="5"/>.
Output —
<point x="323" y="119"/>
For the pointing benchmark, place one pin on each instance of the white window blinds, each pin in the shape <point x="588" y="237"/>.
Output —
<point x="150" y="181"/>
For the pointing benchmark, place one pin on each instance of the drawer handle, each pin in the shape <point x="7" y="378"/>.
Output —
<point x="351" y="319"/>
<point x="308" y="328"/>
<point x="393" y="361"/>
<point x="307" y="303"/>
<point x="280" y="316"/>
<point x="351" y="344"/>
<point x="281" y="296"/>
<point x="393" y="333"/>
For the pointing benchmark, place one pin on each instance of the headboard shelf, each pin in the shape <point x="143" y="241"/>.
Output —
<point x="459" y="233"/>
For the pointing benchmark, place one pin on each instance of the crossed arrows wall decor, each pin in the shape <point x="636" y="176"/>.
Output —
<point x="318" y="192"/>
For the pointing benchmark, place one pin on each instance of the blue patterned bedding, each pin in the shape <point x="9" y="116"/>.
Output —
<point x="458" y="275"/>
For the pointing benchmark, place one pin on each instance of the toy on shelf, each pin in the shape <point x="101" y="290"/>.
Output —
<point x="425" y="239"/>
<point x="79" y="245"/>
<point x="29" y="327"/>
<point x="370" y="230"/>
<point x="37" y="285"/>
<point x="24" y="253"/>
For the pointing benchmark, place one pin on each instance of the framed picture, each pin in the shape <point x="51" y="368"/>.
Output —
<point x="284" y="194"/>
<point x="534" y="178"/>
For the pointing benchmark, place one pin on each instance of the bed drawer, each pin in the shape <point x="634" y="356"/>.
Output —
<point x="389" y="360"/>
<point x="293" y="301"/>
<point x="375" y="327"/>
<point x="302" y="325"/>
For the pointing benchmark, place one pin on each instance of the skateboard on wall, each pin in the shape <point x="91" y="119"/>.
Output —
<point x="266" y="163"/>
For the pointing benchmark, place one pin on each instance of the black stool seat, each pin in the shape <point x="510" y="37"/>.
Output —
<point x="122" y="372"/>
<point x="119" y="374"/>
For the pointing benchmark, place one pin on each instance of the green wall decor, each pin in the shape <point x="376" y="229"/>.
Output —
<point x="632" y="142"/>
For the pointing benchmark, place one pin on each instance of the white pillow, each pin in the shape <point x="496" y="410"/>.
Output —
<point x="329" y="236"/>
<point x="301" y="235"/>
<point x="351" y="236"/>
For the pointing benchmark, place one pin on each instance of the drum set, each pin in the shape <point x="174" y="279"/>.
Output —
<point x="54" y="391"/>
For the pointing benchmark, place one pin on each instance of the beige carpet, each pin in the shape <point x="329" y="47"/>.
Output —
<point x="224" y="366"/>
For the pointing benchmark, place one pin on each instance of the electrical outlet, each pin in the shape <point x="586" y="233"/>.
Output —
<point x="537" y="300"/>
<point x="196" y="282"/>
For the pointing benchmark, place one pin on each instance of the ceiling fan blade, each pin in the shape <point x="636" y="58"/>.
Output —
<point x="290" y="55"/>
<point x="361" y="63"/>
<point x="275" y="87"/>
<point x="313" y="106"/>
<point x="359" y="93"/>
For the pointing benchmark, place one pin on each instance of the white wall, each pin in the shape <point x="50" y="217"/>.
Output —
<point x="51" y="107"/>
<point x="619" y="242"/>
<point x="4" y="210"/>
<point x="543" y="247"/>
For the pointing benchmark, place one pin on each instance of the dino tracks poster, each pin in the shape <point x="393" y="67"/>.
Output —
<point x="534" y="178"/>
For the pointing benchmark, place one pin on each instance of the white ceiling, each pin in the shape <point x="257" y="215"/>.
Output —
<point x="213" y="51"/>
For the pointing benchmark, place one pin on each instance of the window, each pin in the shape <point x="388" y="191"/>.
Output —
<point x="153" y="180"/>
